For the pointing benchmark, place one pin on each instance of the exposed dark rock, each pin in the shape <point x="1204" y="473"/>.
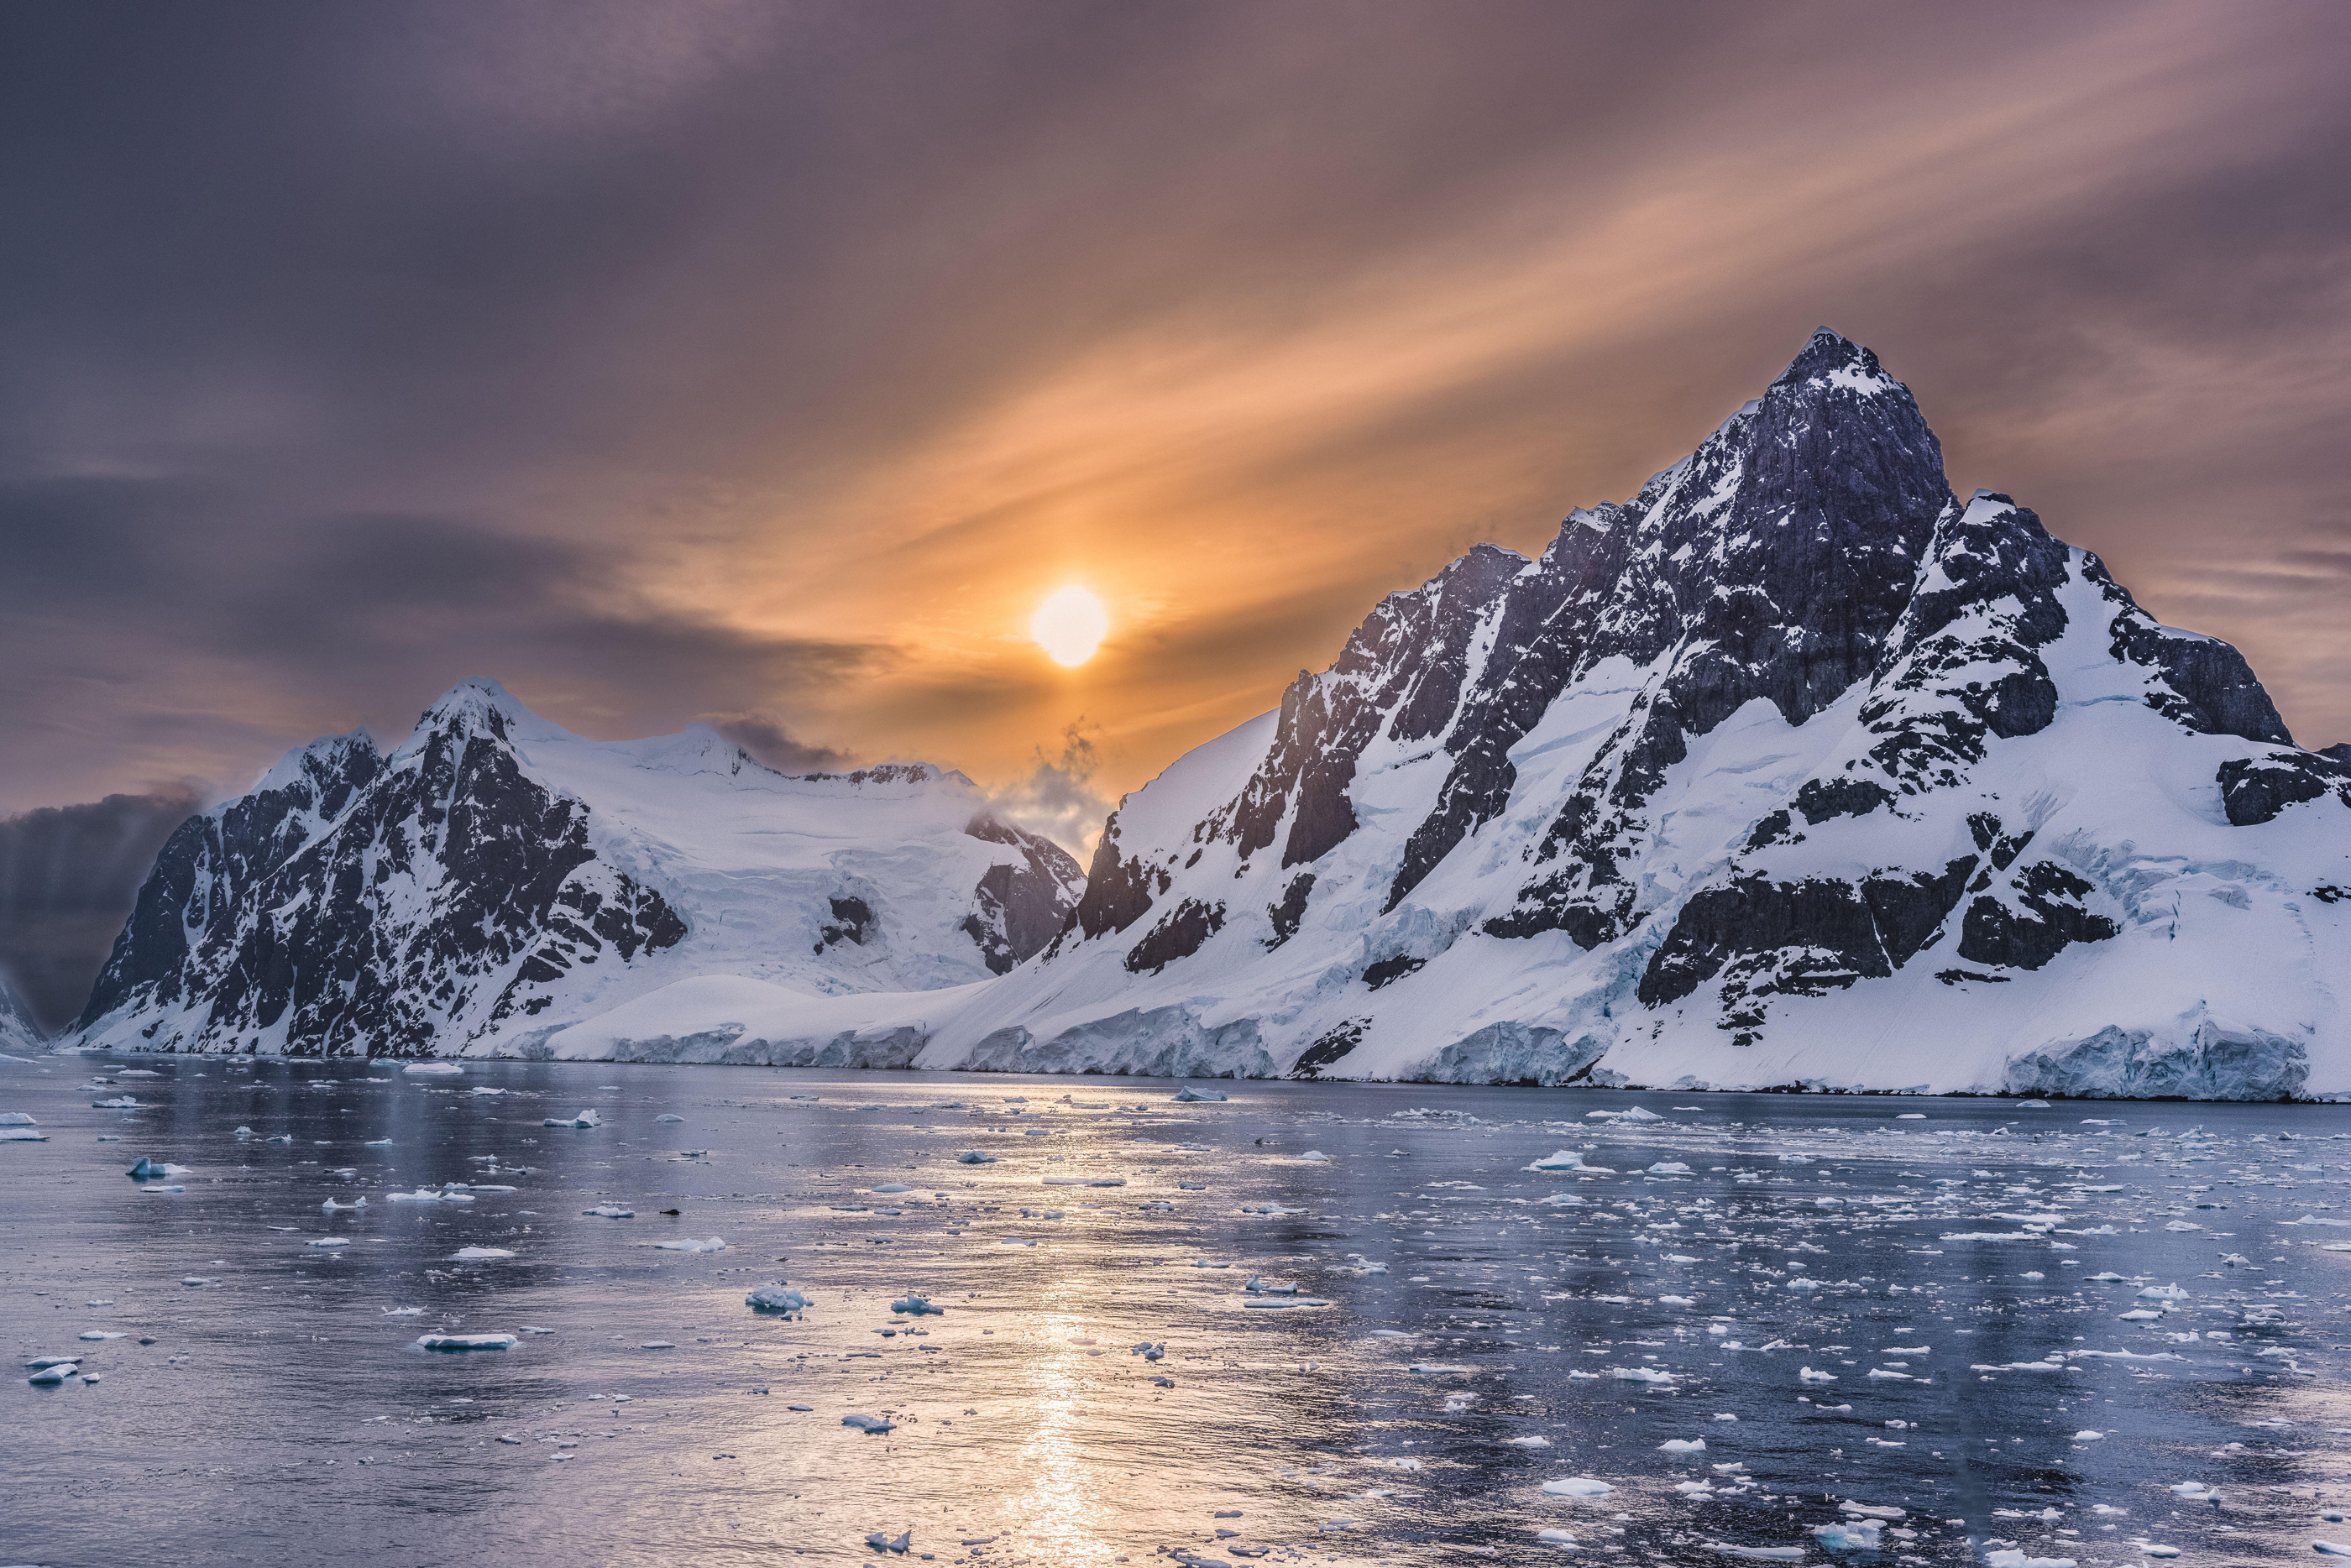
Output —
<point x="2047" y="917"/>
<point x="2210" y="688"/>
<point x="1017" y="911"/>
<point x="1178" y="936"/>
<point x="852" y="921"/>
<point x="215" y="860"/>
<point x="1287" y="914"/>
<point x="1408" y="660"/>
<point x="1391" y="969"/>
<point x="1332" y="1045"/>
<point x="1821" y="799"/>
<point x="2255" y="789"/>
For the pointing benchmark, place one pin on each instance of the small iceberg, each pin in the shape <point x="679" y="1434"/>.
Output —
<point x="432" y="1069"/>
<point x="917" y="1306"/>
<point x="870" y="1423"/>
<point x="331" y="1207"/>
<point x="1578" y="1486"/>
<point x="55" y="1373"/>
<point x="1188" y="1096"/>
<point x="778" y="1297"/>
<point x="973" y="1157"/>
<point x="610" y="1211"/>
<point x="587" y="1119"/>
<point x="328" y="1242"/>
<point x="669" y="1117"/>
<point x="476" y="1255"/>
<point x="468" y="1341"/>
<point x="1682" y="1446"/>
<point x="1849" y="1534"/>
<point x="690" y="1245"/>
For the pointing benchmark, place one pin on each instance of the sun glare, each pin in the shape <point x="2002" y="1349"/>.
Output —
<point x="1070" y="626"/>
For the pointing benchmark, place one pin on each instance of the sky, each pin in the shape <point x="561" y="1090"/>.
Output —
<point x="767" y="364"/>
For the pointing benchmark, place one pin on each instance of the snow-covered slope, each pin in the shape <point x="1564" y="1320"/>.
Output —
<point x="497" y="878"/>
<point x="1791" y="770"/>
<point x="19" y="1035"/>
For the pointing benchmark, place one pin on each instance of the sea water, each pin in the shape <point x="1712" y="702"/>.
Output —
<point x="1775" y="1327"/>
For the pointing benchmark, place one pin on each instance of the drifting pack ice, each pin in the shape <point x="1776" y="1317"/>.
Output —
<point x="496" y="878"/>
<point x="1792" y="771"/>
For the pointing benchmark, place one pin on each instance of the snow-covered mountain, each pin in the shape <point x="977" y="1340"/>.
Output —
<point x="1791" y="770"/>
<point x="19" y="1034"/>
<point x="497" y="878"/>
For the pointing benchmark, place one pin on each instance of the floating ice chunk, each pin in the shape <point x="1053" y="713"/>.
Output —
<point x="331" y="1207"/>
<point x="2150" y="1549"/>
<point x="1888" y="1375"/>
<point x="427" y="1195"/>
<point x="1561" y="1200"/>
<point x="917" y="1306"/>
<point x="478" y="1254"/>
<point x="610" y="1211"/>
<point x="2191" y="1225"/>
<point x="1796" y="1160"/>
<point x="778" y="1297"/>
<point x="468" y="1340"/>
<point x="974" y="1157"/>
<point x="1849" y="1534"/>
<point x="1438" y="1369"/>
<point x="480" y="1090"/>
<point x="2031" y="1105"/>
<point x="1578" y="1486"/>
<point x="882" y="1542"/>
<point x="378" y="1143"/>
<point x="2141" y="1315"/>
<point x="16" y="1119"/>
<point x="2086" y="1436"/>
<point x="656" y="1344"/>
<point x="2324" y="1548"/>
<point x="669" y="1117"/>
<point x="688" y="1244"/>
<point x="97" y="1334"/>
<point x="1555" y="1537"/>
<point x="56" y="1372"/>
<point x="1911" y="1116"/>
<point x="23" y="1135"/>
<point x="2019" y="1559"/>
<point x="328" y="1242"/>
<point x="869" y="1423"/>
<point x="587" y="1119"/>
<point x="1675" y="1301"/>
<point x="1768" y="1553"/>
<point x="2163" y="1294"/>
<point x="120" y="1102"/>
<point x="432" y="1069"/>
<point x="893" y="1187"/>
<point x="1259" y="1285"/>
<point x="1188" y="1096"/>
<point x="1682" y="1446"/>
<point x="1314" y="1157"/>
<point x="1533" y="1441"/>
<point x="1669" y="1167"/>
<point x="1280" y="1302"/>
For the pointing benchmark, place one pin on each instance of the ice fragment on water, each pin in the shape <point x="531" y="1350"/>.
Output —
<point x="1188" y="1095"/>
<point x="476" y="1255"/>
<point x="610" y="1211"/>
<point x="869" y="1423"/>
<point x="1578" y="1486"/>
<point x="468" y="1341"/>
<point x="587" y="1119"/>
<point x="778" y="1297"/>
<point x="432" y="1069"/>
<point x="689" y="1244"/>
<point x="1682" y="1446"/>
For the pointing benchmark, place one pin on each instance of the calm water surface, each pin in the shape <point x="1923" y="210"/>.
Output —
<point x="1932" y="1275"/>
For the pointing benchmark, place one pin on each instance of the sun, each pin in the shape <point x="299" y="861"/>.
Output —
<point x="1070" y="625"/>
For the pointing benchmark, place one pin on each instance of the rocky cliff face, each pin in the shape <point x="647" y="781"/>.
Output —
<point x="496" y="877"/>
<point x="1792" y="769"/>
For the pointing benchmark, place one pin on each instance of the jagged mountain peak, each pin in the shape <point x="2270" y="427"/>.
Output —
<point x="327" y="758"/>
<point x="1789" y="768"/>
